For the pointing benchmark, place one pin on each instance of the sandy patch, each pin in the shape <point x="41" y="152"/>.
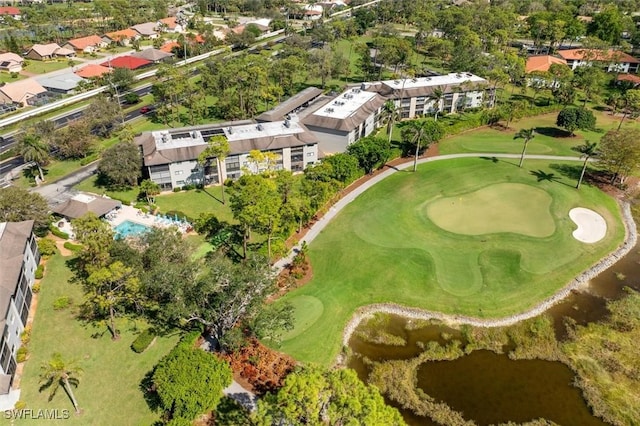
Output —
<point x="591" y="226"/>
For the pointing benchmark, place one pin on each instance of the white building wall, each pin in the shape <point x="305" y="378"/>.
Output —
<point x="310" y="155"/>
<point x="286" y="158"/>
<point x="184" y="173"/>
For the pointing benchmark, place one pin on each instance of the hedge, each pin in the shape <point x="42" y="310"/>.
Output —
<point x="143" y="340"/>
<point x="40" y="272"/>
<point x="58" y="233"/>
<point x="72" y="247"/>
<point x="89" y="159"/>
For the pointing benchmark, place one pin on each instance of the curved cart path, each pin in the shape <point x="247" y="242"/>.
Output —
<point x="366" y="311"/>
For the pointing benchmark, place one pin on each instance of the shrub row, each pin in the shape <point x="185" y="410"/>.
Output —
<point x="143" y="340"/>
<point x="40" y="272"/>
<point x="58" y="233"/>
<point x="89" y="159"/>
<point x="72" y="247"/>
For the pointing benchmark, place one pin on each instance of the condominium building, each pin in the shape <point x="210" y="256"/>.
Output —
<point x="170" y="157"/>
<point x="19" y="259"/>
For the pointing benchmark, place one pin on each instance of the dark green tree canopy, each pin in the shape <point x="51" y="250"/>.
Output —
<point x="370" y="152"/>
<point x="17" y="204"/>
<point x="572" y="119"/>
<point x="121" y="165"/>
<point x="189" y="381"/>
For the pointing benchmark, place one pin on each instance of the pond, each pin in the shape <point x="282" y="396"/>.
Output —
<point x="490" y="388"/>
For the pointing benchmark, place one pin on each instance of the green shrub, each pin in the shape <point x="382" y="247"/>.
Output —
<point x="20" y="405"/>
<point x="25" y="336"/>
<point x="36" y="288"/>
<point x="14" y="75"/>
<point x="177" y="189"/>
<point x="47" y="247"/>
<point x="72" y="247"/>
<point x="62" y="303"/>
<point x="58" y="233"/>
<point x="89" y="159"/>
<point x="39" y="272"/>
<point x="21" y="355"/>
<point x="189" y="187"/>
<point x="143" y="340"/>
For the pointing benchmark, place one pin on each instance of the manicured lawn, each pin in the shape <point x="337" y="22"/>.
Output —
<point x="195" y="202"/>
<point x="6" y="77"/>
<point x="90" y="185"/>
<point x="41" y="67"/>
<point x="549" y="139"/>
<point x="109" y="392"/>
<point x="384" y="247"/>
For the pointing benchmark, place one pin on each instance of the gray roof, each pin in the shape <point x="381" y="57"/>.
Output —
<point x="296" y="101"/>
<point x="153" y="55"/>
<point x="344" y="124"/>
<point x="66" y="82"/>
<point x="188" y="143"/>
<point x="146" y="28"/>
<point x="13" y="240"/>
<point x="75" y="208"/>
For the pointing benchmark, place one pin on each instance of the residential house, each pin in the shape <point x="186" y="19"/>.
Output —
<point x="61" y="83"/>
<point x="170" y="157"/>
<point x="81" y="204"/>
<point x="415" y="96"/>
<point x="126" y="61"/>
<point x="47" y="52"/>
<point x="89" y="44"/>
<point x="542" y="63"/>
<point x="292" y="105"/>
<point x="92" y="71"/>
<point x="343" y="120"/>
<point x="169" y="47"/>
<point x="611" y="60"/>
<point x="628" y="80"/>
<point x="146" y="30"/>
<point x="14" y="12"/>
<point x="23" y="92"/>
<point x="122" y="37"/>
<point x="19" y="259"/>
<point x="11" y="62"/>
<point x="153" y="55"/>
<point x="170" y="25"/>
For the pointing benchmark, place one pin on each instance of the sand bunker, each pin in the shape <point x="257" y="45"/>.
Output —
<point x="591" y="226"/>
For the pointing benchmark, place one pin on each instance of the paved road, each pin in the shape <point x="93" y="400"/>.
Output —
<point x="317" y="227"/>
<point x="61" y="190"/>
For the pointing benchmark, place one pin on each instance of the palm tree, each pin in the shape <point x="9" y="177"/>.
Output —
<point x="527" y="135"/>
<point x="587" y="150"/>
<point x="218" y="148"/>
<point x="58" y="372"/>
<point x="33" y="148"/>
<point x="421" y="133"/>
<point x="390" y="115"/>
<point x="436" y="96"/>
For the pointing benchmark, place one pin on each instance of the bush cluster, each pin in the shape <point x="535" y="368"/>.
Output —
<point x="40" y="272"/>
<point x="58" y="233"/>
<point x="89" y="159"/>
<point x="143" y="340"/>
<point x="72" y="247"/>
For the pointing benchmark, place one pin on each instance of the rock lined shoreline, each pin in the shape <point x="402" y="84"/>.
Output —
<point x="630" y="240"/>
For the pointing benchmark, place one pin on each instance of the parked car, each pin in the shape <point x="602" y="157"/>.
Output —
<point x="147" y="109"/>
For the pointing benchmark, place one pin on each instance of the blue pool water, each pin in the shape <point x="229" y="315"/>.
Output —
<point x="129" y="229"/>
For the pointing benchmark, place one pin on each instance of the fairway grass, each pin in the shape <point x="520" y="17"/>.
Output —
<point x="383" y="248"/>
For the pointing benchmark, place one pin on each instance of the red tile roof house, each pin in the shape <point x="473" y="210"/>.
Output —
<point x="14" y="12"/>
<point x="612" y="60"/>
<point x="169" y="25"/>
<point x="87" y="44"/>
<point x="92" y="71"/>
<point x="542" y="63"/>
<point x="47" y="52"/>
<point x="122" y="37"/>
<point x="11" y="62"/>
<point x="130" y="62"/>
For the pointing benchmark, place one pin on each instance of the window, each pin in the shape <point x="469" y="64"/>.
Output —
<point x="178" y="172"/>
<point x="180" y="183"/>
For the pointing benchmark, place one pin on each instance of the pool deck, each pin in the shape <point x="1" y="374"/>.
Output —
<point x="131" y="214"/>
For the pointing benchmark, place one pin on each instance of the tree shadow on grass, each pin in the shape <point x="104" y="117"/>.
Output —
<point x="553" y="132"/>
<point x="496" y="160"/>
<point x="542" y="176"/>
<point x="569" y="170"/>
<point x="204" y="190"/>
<point x="149" y="393"/>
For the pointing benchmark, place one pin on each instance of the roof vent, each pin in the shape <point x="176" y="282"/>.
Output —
<point x="428" y="78"/>
<point x="287" y="123"/>
<point x="458" y="75"/>
<point x="165" y="137"/>
<point x="396" y="81"/>
<point x="329" y="110"/>
<point x="260" y="127"/>
<point x="413" y="80"/>
<point x="194" y="135"/>
<point x="230" y="130"/>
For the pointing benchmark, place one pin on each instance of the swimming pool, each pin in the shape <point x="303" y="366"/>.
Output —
<point x="129" y="229"/>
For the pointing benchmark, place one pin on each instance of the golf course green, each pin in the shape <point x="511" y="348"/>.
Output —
<point x="466" y="236"/>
